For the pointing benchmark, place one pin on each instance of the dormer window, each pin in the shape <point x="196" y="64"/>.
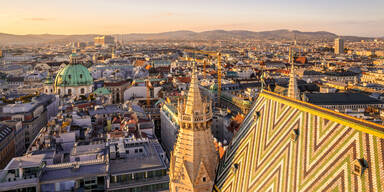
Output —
<point x="81" y="76"/>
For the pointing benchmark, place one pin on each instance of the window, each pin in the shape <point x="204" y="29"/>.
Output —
<point x="69" y="91"/>
<point x="58" y="91"/>
<point x="69" y="76"/>
<point x="136" y="150"/>
<point x="82" y="90"/>
<point x="204" y="179"/>
<point x="81" y="76"/>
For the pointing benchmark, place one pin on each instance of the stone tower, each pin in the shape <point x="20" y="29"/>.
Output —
<point x="293" y="90"/>
<point x="194" y="159"/>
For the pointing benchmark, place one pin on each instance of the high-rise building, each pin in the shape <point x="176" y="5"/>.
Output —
<point x="194" y="158"/>
<point x="339" y="46"/>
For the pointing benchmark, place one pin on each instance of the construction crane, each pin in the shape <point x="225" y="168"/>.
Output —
<point x="149" y="87"/>
<point x="213" y="54"/>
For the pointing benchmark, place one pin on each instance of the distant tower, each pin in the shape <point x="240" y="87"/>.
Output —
<point x="339" y="46"/>
<point x="48" y="84"/>
<point x="291" y="55"/>
<point x="293" y="90"/>
<point x="94" y="58"/>
<point x="113" y="53"/>
<point x="194" y="159"/>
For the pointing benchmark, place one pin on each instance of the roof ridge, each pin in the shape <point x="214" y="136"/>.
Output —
<point x="353" y="122"/>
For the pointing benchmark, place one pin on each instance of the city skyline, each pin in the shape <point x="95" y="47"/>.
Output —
<point x="148" y="16"/>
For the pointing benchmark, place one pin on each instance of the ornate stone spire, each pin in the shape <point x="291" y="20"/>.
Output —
<point x="293" y="90"/>
<point x="194" y="159"/>
<point x="194" y="96"/>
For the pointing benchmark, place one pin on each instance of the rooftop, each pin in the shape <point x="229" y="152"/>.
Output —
<point x="25" y="161"/>
<point x="51" y="174"/>
<point x="4" y="131"/>
<point x="149" y="159"/>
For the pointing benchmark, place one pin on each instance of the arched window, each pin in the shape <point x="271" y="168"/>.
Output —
<point x="117" y="98"/>
<point x="82" y="90"/>
<point x="51" y="91"/>
<point x="46" y="90"/>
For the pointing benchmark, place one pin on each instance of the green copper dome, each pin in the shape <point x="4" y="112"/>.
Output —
<point x="73" y="75"/>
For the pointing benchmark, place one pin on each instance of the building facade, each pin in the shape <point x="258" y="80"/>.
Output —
<point x="7" y="144"/>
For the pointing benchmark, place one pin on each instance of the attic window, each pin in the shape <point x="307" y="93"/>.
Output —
<point x="257" y="114"/>
<point x="204" y="179"/>
<point x="294" y="134"/>
<point x="359" y="165"/>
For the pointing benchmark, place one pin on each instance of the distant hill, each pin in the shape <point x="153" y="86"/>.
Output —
<point x="228" y="35"/>
<point x="6" y="39"/>
<point x="180" y="35"/>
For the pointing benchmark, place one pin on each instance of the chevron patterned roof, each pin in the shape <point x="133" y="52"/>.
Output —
<point x="289" y="145"/>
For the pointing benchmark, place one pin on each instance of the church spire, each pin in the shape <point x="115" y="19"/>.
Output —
<point x="194" y="159"/>
<point x="293" y="90"/>
<point x="194" y="96"/>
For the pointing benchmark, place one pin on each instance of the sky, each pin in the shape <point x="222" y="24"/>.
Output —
<point x="343" y="17"/>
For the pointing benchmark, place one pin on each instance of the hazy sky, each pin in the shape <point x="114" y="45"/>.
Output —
<point x="345" y="17"/>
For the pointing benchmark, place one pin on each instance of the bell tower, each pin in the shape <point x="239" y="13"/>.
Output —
<point x="194" y="159"/>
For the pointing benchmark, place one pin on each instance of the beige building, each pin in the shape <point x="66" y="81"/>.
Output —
<point x="117" y="89"/>
<point x="373" y="77"/>
<point x="379" y="53"/>
<point x="194" y="158"/>
<point x="104" y="40"/>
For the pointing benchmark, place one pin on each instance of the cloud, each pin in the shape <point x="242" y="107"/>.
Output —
<point x="36" y="19"/>
<point x="164" y="14"/>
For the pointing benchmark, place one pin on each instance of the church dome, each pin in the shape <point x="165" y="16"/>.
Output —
<point x="74" y="74"/>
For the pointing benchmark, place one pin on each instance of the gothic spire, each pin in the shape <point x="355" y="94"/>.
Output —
<point x="293" y="90"/>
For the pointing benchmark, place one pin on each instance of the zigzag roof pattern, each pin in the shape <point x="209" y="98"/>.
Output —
<point x="264" y="155"/>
